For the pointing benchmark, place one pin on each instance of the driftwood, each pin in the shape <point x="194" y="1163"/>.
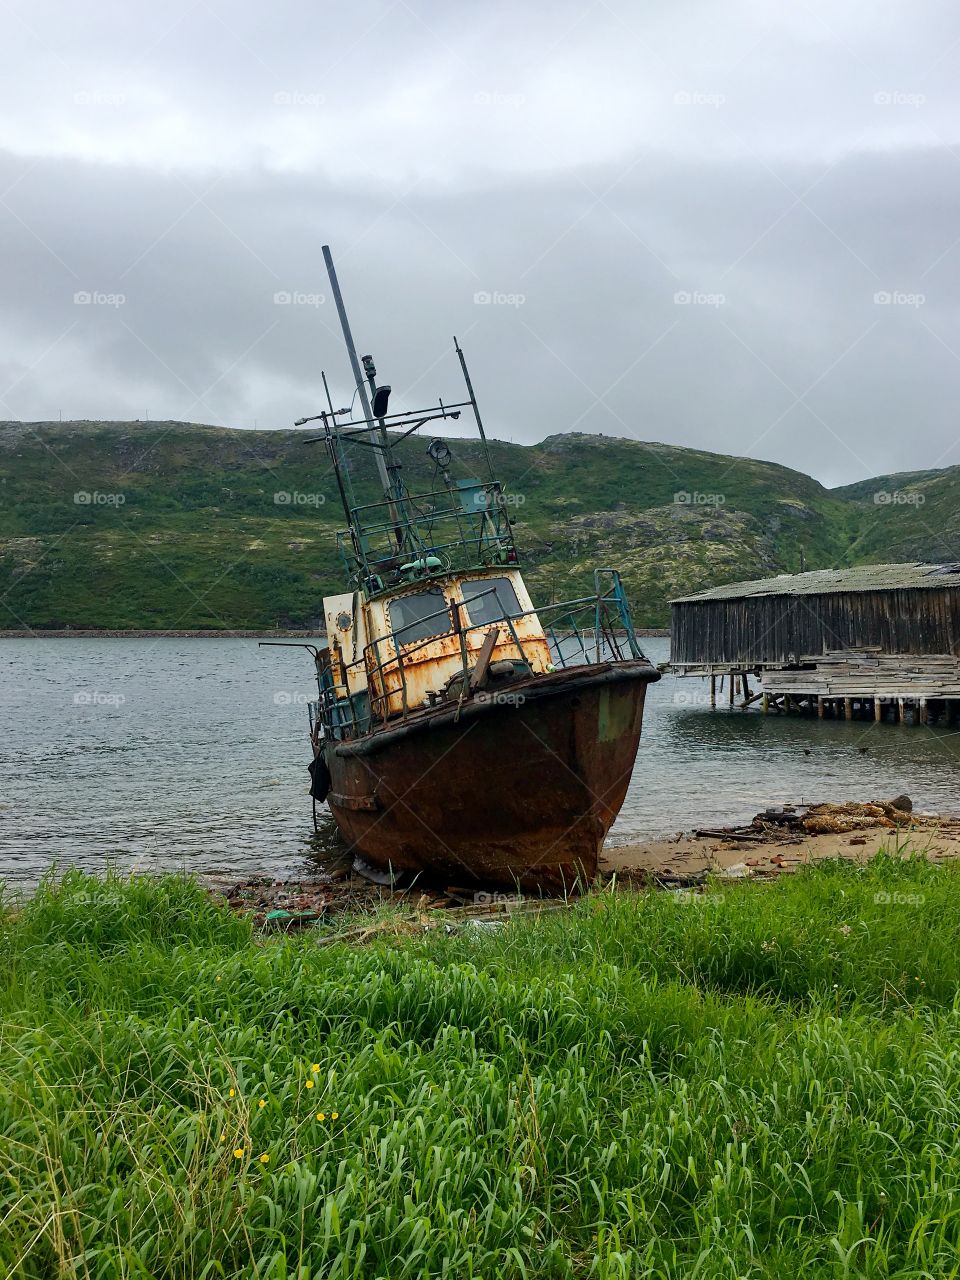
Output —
<point x="729" y="833"/>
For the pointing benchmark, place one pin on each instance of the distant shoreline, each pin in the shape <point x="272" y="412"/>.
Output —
<point x="94" y="634"/>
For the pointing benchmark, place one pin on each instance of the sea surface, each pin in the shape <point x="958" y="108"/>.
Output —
<point x="191" y="754"/>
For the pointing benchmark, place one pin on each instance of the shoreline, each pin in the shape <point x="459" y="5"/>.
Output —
<point x="684" y="862"/>
<point x="687" y="855"/>
<point x="240" y="633"/>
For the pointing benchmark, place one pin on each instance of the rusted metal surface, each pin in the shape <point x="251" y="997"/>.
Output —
<point x="364" y="653"/>
<point x="426" y="667"/>
<point x="445" y="782"/>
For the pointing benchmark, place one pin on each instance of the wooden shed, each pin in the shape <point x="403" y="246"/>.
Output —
<point x="871" y="634"/>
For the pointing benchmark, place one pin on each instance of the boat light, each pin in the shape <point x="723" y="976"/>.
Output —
<point x="439" y="451"/>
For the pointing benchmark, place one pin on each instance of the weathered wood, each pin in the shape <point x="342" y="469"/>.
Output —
<point x="490" y="642"/>
<point x="772" y="629"/>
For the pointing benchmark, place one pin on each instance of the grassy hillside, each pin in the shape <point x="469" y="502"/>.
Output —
<point x="911" y="516"/>
<point x="175" y="525"/>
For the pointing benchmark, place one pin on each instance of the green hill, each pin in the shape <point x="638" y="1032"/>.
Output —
<point x="175" y="525"/>
<point x="911" y="516"/>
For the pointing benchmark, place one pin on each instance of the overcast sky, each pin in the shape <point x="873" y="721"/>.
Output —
<point x="734" y="226"/>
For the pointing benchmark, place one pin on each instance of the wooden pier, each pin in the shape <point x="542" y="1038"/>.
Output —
<point x="880" y="642"/>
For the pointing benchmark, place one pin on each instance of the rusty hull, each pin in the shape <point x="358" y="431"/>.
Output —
<point x="516" y="788"/>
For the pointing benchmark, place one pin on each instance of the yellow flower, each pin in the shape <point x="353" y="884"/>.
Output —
<point x="238" y="1152"/>
<point x="218" y="977"/>
<point x="262" y="1103"/>
<point x="321" y="1115"/>
<point x="265" y="1158"/>
<point x="334" y="1115"/>
<point x="233" y="1093"/>
<point x="316" y="1067"/>
<point x="223" y="1137"/>
<point x="309" y="1084"/>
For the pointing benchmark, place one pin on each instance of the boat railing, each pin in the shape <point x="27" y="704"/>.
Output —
<point x="459" y="528"/>
<point x="586" y="631"/>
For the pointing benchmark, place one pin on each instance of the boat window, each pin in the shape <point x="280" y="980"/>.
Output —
<point x="410" y="617"/>
<point x="500" y="603"/>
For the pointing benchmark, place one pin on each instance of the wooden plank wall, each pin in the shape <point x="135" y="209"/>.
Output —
<point x="780" y="629"/>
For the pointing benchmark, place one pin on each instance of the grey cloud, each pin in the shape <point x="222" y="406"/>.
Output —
<point x="565" y="183"/>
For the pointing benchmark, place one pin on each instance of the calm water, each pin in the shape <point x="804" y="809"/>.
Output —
<point x="192" y="754"/>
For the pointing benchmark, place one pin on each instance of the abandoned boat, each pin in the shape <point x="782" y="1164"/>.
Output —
<point x="461" y="732"/>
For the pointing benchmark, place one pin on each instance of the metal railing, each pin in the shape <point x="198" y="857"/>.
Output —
<point x="588" y="631"/>
<point x="464" y="528"/>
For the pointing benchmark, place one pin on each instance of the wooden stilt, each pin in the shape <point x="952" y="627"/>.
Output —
<point x="765" y="703"/>
<point x="730" y="690"/>
<point x="819" y="707"/>
<point x="713" y="692"/>
<point x="848" y="708"/>
<point x="878" y="709"/>
<point x="900" y="702"/>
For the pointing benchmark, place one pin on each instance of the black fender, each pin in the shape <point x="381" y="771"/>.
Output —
<point x="319" y="777"/>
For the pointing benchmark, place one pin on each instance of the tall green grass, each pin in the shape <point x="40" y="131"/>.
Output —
<point x="763" y="1081"/>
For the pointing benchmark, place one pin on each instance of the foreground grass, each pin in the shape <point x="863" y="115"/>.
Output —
<point x="761" y="1082"/>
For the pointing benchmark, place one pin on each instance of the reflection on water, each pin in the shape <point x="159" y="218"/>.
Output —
<point x="193" y="753"/>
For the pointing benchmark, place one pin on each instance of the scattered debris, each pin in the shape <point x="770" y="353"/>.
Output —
<point x="339" y="893"/>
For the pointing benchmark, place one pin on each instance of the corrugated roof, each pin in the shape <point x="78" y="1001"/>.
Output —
<point x="863" y="577"/>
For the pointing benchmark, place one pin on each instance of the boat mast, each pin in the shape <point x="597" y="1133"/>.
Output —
<point x="378" y="433"/>
<point x="476" y="409"/>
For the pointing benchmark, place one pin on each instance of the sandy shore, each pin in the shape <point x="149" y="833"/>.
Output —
<point x="689" y="855"/>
